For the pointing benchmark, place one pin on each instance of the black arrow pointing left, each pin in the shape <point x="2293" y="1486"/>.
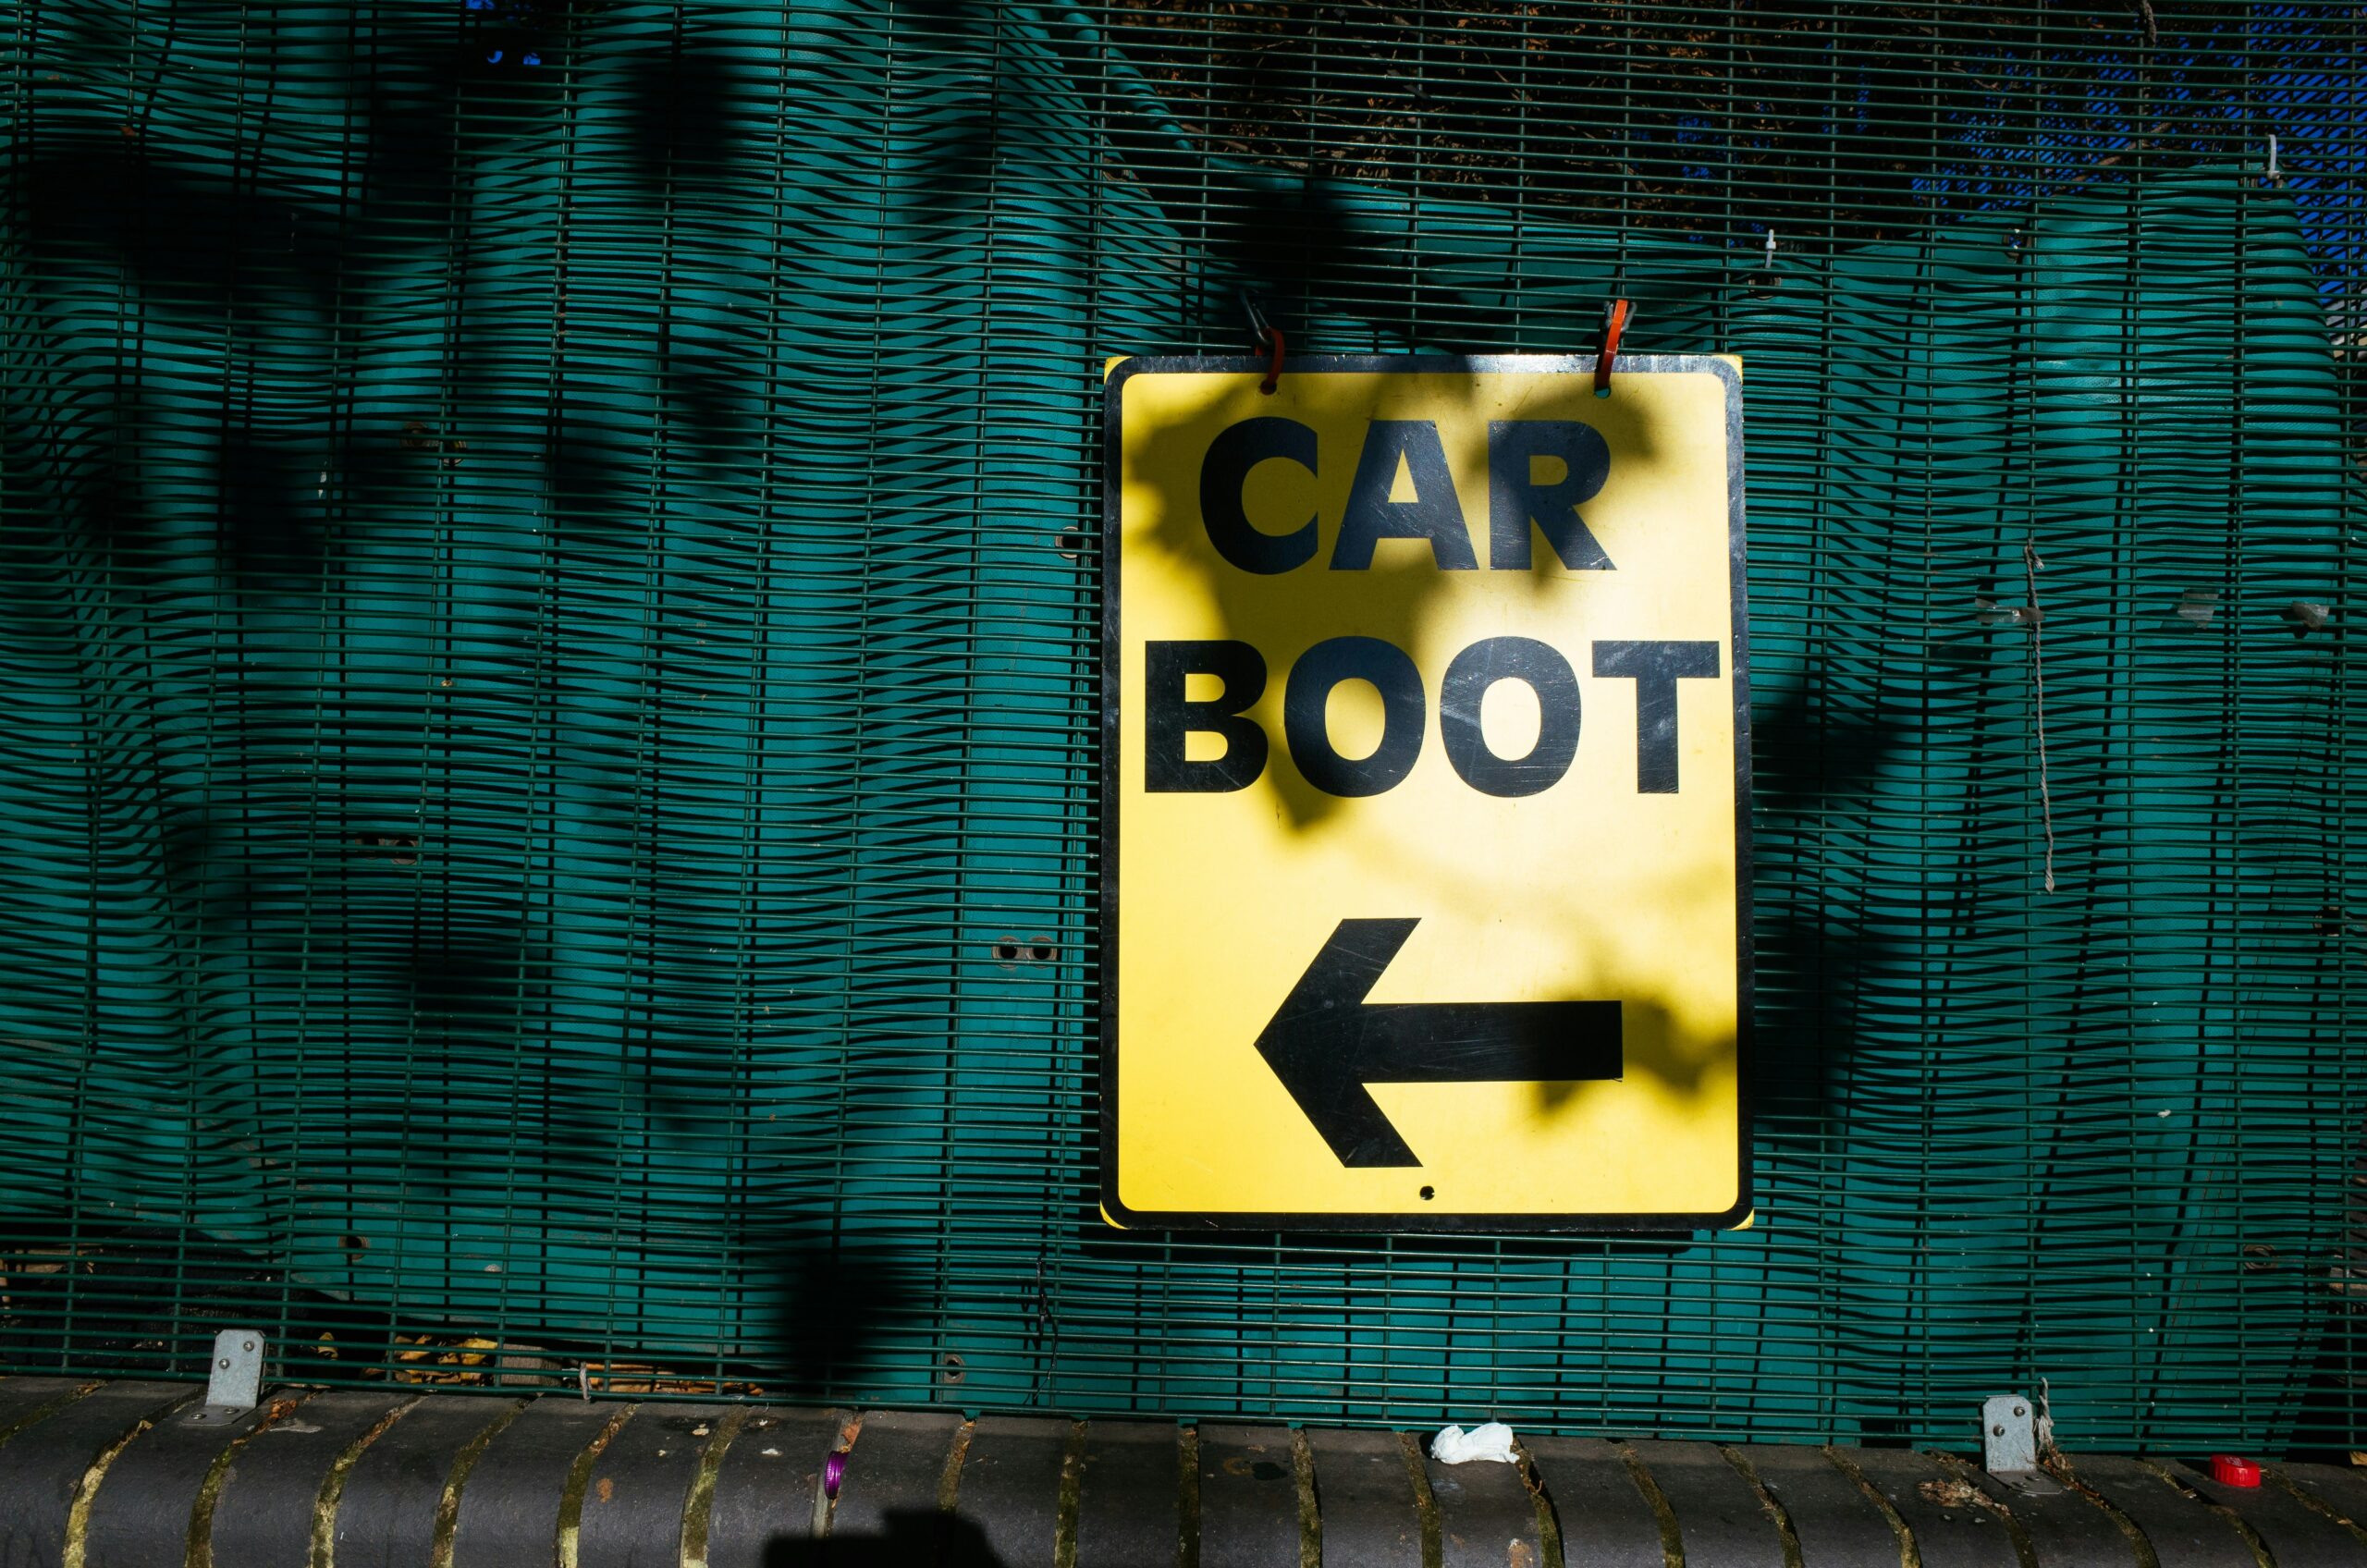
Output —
<point x="1326" y="1042"/>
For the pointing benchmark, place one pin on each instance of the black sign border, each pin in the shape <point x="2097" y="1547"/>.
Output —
<point x="1739" y="650"/>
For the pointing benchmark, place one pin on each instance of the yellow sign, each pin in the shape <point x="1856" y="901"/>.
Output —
<point x="1425" y="774"/>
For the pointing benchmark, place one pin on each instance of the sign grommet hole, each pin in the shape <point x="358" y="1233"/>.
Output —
<point x="1011" y="951"/>
<point x="1429" y="1192"/>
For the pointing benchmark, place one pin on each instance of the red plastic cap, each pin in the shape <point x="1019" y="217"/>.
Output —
<point x="2230" y="1471"/>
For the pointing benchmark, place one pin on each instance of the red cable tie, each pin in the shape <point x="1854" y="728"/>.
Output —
<point x="1275" y="361"/>
<point x="1614" y="322"/>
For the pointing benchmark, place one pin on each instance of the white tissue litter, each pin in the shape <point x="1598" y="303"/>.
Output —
<point x="1456" y="1446"/>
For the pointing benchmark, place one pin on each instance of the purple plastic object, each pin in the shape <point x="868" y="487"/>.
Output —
<point x="834" y="1470"/>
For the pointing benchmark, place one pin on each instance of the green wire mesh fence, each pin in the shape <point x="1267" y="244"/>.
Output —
<point x="550" y="639"/>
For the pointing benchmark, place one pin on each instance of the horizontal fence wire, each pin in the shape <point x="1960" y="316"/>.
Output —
<point x="552" y="576"/>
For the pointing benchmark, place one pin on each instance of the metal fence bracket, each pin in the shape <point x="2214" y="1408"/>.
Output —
<point x="234" y="1380"/>
<point x="2009" y="1445"/>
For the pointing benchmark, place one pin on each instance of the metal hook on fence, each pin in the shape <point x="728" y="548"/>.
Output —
<point x="1765" y="279"/>
<point x="1614" y="322"/>
<point x="1266" y="338"/>
<point x="2274" y="176"/>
